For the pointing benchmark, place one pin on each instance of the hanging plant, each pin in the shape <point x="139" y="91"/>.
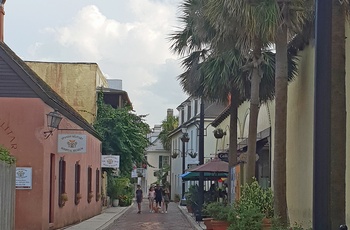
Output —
<point x="219" y="133"/>
<point x="193" y="155"/>
<point x="174" y="155"/>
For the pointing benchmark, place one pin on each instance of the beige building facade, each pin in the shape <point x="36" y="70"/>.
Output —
<point x="75" y="82"/>
<point x="300" y="128"/>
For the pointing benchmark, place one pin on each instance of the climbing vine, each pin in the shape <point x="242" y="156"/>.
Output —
<point x="123" y="133"/>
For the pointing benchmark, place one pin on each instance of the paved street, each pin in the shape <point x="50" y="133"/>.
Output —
<point x="173" y="220"/>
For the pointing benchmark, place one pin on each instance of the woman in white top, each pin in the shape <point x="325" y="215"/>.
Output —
<point x="151" y="196"/>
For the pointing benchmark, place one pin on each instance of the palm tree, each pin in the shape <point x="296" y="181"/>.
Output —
<point x="263" y="22"/>
<point x="169" y="124"/>
<point x="253" y="27"/>
<point x="216" y="73"/>
<point x="194" y="41"/>
<point x="338" y="115"/>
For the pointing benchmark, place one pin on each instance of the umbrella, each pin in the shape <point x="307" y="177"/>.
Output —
<point x="207" y="176"/>
<point x="215" y="165"/>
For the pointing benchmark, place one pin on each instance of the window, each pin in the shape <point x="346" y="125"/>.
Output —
<point x="182" y="116"/>
<point x="63" y="197"/>
<point x="89" y="183"/>
<point x="98" y="195"/>
<point x="195" y="107"/>
<point x="189" y="112"/>
<point x="163" y="161"/>
<point x="77" y="183"/>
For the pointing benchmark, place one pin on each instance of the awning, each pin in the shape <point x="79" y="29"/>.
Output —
<point x="192" y="176"/>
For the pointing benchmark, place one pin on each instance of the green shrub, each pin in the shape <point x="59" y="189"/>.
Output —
<point x="254" y="196"/>
<point x="5" y="156"/>
<point x="217" y="210"/>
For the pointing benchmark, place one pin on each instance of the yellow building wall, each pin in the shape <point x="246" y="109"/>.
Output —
<point x="300" y="119"/>
<point x="75" y="82"/>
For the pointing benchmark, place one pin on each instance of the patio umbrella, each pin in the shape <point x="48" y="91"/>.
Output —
<point x="216" y="165"/>
<point x="192" y="176"/>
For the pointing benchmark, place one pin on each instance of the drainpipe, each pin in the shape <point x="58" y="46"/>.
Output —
<point x="2" y="14"/>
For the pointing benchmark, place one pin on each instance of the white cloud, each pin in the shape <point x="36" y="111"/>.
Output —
<point x="133" y="48"/>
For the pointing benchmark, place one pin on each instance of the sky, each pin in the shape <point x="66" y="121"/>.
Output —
<point x="128" y="39"/>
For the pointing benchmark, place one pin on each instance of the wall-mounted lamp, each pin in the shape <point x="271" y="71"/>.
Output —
<point x="53" y="121"/>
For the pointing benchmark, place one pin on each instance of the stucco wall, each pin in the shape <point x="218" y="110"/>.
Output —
<point x="76" y="83"/>
<point x="22" y="124"/>
<point x="300" y="141"/>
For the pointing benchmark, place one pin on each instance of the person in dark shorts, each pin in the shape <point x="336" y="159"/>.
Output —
<point x="166" y="199"/>
<point x="139" y="196"/>
<point x="159" y="196"/>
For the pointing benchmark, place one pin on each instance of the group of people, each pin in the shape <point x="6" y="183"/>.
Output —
<point x="158" y="198"/>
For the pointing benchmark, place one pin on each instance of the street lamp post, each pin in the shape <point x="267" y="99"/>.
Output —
<point x="184" y="139"/>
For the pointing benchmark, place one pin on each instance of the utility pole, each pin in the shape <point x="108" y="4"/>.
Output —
<point x="322" y="116"/>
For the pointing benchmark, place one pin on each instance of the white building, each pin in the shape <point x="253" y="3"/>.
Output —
<point x="157" y="157"/>
<point x="189" y="112"/>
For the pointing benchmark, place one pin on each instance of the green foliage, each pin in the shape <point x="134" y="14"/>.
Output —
<point x="123" y="133"/>
<point x="277" y="225"/>
<point x="217" y="210"/>
<point x="243" y="218"/>
<point x="168" y="125"/>
<point x="192" y="197"/>
<point x="177" y="197"/>
<point x="254" y="196"/>
<point x="117" y="186"/>
<point x="5" y="156"/>
<point x="162" y="175"/>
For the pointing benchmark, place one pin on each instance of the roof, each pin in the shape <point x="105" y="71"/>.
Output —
<point x="222" y="116"/>
<point x="43" y="90"/>
<point x="112" y="91"/>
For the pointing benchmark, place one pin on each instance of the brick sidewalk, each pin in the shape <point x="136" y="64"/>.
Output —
<point x="173" y="220"/>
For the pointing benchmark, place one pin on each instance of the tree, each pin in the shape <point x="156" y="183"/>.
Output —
<point x="338" y="115"/>
<point x="216" y="71"/>
<point x="123" y="133"/>
<point x="168" y="125"/>
<point x="254" y="29"/>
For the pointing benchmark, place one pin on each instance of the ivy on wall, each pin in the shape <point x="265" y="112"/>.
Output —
<point x="123" y="133"/>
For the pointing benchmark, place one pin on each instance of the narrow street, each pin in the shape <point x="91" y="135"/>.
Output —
<point x="173" y="220"/>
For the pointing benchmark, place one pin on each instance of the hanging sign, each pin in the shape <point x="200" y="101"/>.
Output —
<point x="71" y="143"/>
<point x="110" y="161"/>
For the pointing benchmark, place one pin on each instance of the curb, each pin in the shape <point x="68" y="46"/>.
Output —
<point x="106" y="225"/>
<point x="194" y="224"/>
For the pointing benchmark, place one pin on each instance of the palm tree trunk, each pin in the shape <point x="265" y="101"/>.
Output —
<point x="281" y="87"/>
<point x="253" y="115"/>
<point x="232" y="156"/>
<point x="338" y="117"/>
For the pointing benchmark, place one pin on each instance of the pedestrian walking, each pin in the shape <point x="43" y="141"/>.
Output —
<point x="139" y="196"/>
<point x="166" y="199"/>
<point x="159" y="197"/>
<point x="151" y="197"/>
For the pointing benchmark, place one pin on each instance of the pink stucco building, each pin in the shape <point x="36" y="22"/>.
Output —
<point x="59" y="172"/>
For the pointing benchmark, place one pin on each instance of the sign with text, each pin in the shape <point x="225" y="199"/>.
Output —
<point x="71" y="143"/>
<point x="110" y="161"/>
<point x="23" y="178"/>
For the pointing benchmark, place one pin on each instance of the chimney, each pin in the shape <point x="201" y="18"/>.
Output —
<point x="2" y="14"/>
<point x="169" y="113"/>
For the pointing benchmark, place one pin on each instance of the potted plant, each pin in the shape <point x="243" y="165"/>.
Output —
<point x="219" y="212"/>
<point x="192" y="198"/>
<point x="253" y="196"/>
<point x="174" y="155"/>
<point x="177" y="198"/>
<point x="90" y="196"/>
<point x="192" y="155"/>
<point x="63" y="199"/>
<point x="78" y="197"/>
<point x="219" y="133"/>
